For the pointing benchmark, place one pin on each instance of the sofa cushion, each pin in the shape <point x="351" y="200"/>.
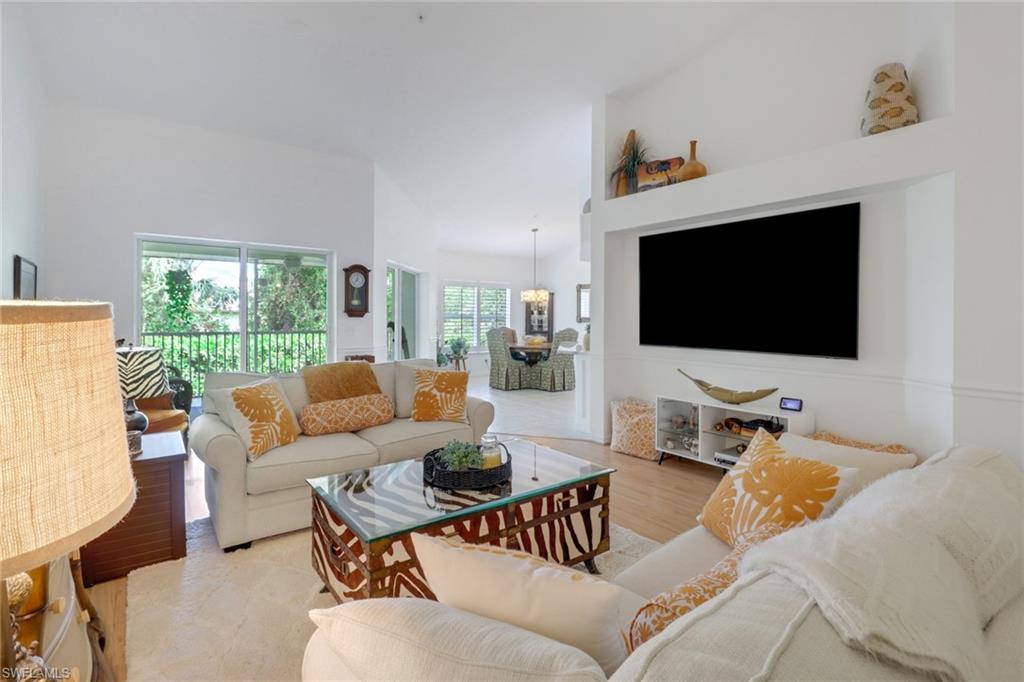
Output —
<point x="419" y="639"/>
<point x="260" y="414"/>
<point x="405" y="384"/>
<point x="406" y="439"/>
<point x="440" y="395"/>
<point x="166" y="420"/>
<point x="339" y="380"/>
<point x="675" y="603"/>
<point x="346" y="415"/>
<point x="517" y="588"/>
<point x="385" y="373"/>
<point x="770" y="486"/>
<point x="217" y="380"/>
<point x="871" y="465"/>
<point x="685" y="556"/>
<point x="295" y="388"/>
<point x="290" y="465"/>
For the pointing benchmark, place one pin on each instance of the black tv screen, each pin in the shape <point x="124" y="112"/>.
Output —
<point x="780" y="284"/>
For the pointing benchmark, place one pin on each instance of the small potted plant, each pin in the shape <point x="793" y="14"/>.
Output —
<point x="459" y="347"/>
<point x="460" y="456"/>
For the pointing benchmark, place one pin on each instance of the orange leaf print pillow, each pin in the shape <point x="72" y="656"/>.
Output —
<point x="261" y="415"/>
<point x="661" y="610"/>
<point x="768" y="486"/>
<point x="440" y="396"/>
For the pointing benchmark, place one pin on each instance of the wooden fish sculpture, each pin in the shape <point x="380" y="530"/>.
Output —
<point x="727" y="395"/>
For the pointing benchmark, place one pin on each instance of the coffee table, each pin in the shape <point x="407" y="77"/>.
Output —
<point x="555" y="507"/>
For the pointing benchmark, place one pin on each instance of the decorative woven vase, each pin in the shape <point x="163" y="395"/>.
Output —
<point x="889" y="102"/>
<point x="693" y="168"/>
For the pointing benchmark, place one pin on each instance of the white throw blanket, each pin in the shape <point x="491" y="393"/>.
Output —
<point x="912" y="568"/>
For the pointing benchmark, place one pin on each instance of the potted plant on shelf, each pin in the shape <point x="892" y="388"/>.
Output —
<point x="634" y="155"/>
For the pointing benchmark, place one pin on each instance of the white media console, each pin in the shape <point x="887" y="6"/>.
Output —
<point x="700" y="441"/>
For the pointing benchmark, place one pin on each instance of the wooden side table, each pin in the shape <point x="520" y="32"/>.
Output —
<point x="154" y="529"/>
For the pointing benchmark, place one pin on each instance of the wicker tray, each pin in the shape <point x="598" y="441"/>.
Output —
<point x="435" y="473"/>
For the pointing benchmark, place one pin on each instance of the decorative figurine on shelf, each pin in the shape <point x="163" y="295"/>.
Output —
<point x="678" y="421"/>
<point x="693" y="168"/>
<point x="889" y="102"/>
<point x="727" y="395"/>
<point x="634" y="155"/>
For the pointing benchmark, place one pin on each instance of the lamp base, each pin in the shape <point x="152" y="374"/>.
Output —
<point x="19" y="662"/>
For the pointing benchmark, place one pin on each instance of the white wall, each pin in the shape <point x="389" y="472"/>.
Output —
<point x="110" y="175"/>
<point x="561" y="272"/>
<point x="405" y="236"/>
<point x="23" y="109"/>
<point x="791" y="78"/>
<point x="941" y="258"/>
<point x="515" y="272"/>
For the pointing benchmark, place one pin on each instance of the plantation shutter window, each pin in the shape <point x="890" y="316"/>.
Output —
<point x="493" y="309"/>
<point x="470" y="310"/>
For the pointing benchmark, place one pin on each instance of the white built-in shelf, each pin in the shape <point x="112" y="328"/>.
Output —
<point x="859" y="166"/>
<point x="703" y="439"/>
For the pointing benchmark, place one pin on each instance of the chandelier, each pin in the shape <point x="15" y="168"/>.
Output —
<point x="536" y="294"/>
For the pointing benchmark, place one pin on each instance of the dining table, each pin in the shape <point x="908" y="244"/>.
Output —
<point x="534" y="352"/>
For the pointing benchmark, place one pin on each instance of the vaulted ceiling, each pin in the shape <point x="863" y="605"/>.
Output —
<point x="481" y="112"/>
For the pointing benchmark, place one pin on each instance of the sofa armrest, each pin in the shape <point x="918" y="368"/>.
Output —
<point x="217" y="444"/>
<point x="480" y="414"/>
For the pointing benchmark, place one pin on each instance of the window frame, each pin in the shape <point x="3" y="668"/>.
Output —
<point x="479" y="341"/>
<point x="580" y="288"/>
<point x="243" y="282"/>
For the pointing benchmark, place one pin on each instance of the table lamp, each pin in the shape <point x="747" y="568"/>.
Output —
<point x="65" y="475"/>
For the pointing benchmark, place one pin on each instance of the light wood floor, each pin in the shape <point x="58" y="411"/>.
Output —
<point x="658" y="502"/>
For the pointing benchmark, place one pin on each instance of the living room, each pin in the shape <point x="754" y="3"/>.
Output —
<point x="269" y="189"/>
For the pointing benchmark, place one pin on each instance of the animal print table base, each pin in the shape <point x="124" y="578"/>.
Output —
<point x="568" y="526"/>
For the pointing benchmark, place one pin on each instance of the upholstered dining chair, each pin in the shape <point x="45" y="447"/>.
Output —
<point x="558" y="373"/>
<point x="506" y="373"/>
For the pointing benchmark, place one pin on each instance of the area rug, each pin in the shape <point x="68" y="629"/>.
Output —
<point x="243" y="615"/>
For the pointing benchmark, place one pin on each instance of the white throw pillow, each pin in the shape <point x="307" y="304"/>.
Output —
<point x="870" y="464"/>
<point x="420" y="639"/>
<point x="562" y="603"/>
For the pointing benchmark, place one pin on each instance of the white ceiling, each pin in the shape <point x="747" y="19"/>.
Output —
<point x="481" y="112"/>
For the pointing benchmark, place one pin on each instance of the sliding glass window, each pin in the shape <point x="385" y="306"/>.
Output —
<point x="194" y="296"/>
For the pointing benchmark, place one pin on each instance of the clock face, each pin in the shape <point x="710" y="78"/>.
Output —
<point x="357" y="280"/>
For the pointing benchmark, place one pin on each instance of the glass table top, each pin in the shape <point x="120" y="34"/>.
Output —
<point x="391" y="499"/>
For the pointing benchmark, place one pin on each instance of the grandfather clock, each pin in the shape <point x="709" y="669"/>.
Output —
<point x="357" y="290"/>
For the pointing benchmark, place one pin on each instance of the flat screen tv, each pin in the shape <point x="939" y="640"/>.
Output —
<point x="779" y="284"/>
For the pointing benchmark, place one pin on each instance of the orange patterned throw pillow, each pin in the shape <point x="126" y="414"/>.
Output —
<point x="440" y="396"/>
<point x="339" y="380"/>
<point x="888" y="448"/>
<point x="660" y="611"/>
<point x="261" y="415"/>
<point x="767" y="486"/>
<point x="345" y="416"/>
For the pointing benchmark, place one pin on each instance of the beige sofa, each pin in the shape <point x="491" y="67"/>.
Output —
<point x="251" y="500"/>
<point x="736" y="635"/>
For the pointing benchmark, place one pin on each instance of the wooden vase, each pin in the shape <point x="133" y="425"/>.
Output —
<point x="693" y="168"/>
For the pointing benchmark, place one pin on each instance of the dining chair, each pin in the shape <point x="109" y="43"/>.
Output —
<point x="506" y="373"/>
<point x="558" y="373"/>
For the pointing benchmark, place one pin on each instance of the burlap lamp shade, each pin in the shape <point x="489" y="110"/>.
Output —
<point x="65" y="475"/>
